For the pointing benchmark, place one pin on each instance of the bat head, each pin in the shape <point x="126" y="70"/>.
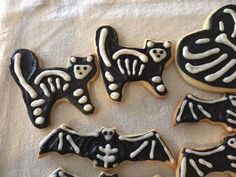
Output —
<point x="108" y="133"/>
<point x="232" y="99"/>
<point x="232" y="142"/>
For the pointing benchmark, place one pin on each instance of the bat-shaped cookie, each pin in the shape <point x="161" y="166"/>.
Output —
<point x="106" y="148"/>
<point x="42" y="87"/>
<point x="199" y="163"/>
<point x="193" y="109"/>
<point x="63" y="173"/>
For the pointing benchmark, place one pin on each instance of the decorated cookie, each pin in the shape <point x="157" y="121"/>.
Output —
<point x="120" y="65"/>
<point x="193" y="109"/>
<point x="199" y="163"/>
<point x="106" y="148"/>
<point x="42" y="87"/>
<point x="206" y="59"/>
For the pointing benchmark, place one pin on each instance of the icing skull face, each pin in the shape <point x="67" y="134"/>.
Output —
<point x="232" y="99"/>
<point x="81" y="70"/>
<point x="108" y="133"/>
<point x="232" y="142"/>
<point x="157" y="51"/>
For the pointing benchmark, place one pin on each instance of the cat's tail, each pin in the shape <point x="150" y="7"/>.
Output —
<point x="22" y="64"/>
<point x="106" y="39"/>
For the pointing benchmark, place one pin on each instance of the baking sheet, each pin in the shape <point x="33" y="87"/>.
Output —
<point x="55" y="30"/>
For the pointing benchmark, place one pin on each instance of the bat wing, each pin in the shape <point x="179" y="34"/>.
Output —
<point x="66" y="140"/>
<point x="148" y="146"/>
<point x="61" y="172"/>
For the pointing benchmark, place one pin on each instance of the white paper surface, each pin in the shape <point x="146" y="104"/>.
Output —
<point x="55" y="30"/>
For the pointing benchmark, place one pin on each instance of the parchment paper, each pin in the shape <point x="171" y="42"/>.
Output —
<point x="55" y="30"/>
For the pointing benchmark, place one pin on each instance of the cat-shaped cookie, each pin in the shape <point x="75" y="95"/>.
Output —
<point x="42" y="87"/>
<point x="120" y="65"/>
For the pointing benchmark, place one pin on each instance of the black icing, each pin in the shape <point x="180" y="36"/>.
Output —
<point x="218" y="110"/>
<point x="211" y="33"/>
<point x="89" y="146"/>
<point x="30" y="70"/>
<point x="219" y="160"/>
<point x="151" y="69"/>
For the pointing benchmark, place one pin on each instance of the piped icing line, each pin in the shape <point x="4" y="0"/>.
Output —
<point x="223" y="39"/>
<point x="206" y="163"/>
<point x="233" y="14"/>
<point x="207" y="114"/>
<point x="140" y="55"/>
<point x="219" y="149"/>
<point x="203" y="41"/>
<point x="194" y="165"/>
<point x="108" y="150"/>
<point x="207" y="101"/>
<point x="221" y="26"/>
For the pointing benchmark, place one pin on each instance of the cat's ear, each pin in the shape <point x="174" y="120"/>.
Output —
<point x="167" y="44"/>
<point x="72" y="60"/>
<point x="149" y="43"/>
<point x="90" y="58"/>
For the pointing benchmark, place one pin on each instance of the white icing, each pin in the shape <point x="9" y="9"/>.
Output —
<point x="134" y="67"/>
<point x="231" y="157"/>
<point x="23" y="82"/>
<point x="58" y="83"/>
<point x="160" y="88"/>
<point x="208" y="101"/>
<point x="109" y="77"/>
<point x="188" y="55"/>
<point x="221" y="72"/>
<point x="194" y="165"/>
<point x="199" y="68"/>
<point x="219" y="149"/>
<point x="60" y="144"/>
<point x="202" y="41"/>
<point x="232" y="121"/>
<point x="137" y="151"/>
<point x="37" y="112"/>
<point x="206" y="163"/>
<point x="233" y="165"/>
<point x="73" y="59"/>
<point x="83" y="100"/>
<point x="207" y="114"/>
<point x="43" y="74"/>
<point x="221" y="26"/>
<point x="232" y="142"/>
<point x="108" y="157"/>
<point x="140" y="137"/>
<point x="223" y="39"/>
<point x="43" y="141"/>
<point x="183" y="168"/>
<point x="102" y="47"/>
<point x="78" y="92"/>
<point x="233" y="14"/>
<point x="88" y="107"/>
<point x="167" y="44"/>
<point x="45" y="89"/>
<point x="178" y="118"/>
<point x="65" y="87"/>
<point x="136" y="53"/>
<point x="230" y="78"/>
<point x="157" y="56"/>
<point x="89" y="58"/>
<point x="156" y="79"/>
<point x="120" y="67"/>
<point x="113" y="86"/>
<point x="51" y="84"/>
<point x="152" y="151"/>
<point x="81" y="71"/>
<point x="150" y="44"/>
<point x="127" y="66"/>
<point x="108" y="133"/>
<point x="190" y="104"/>
<point x="114" y="95"/>
<point x="39" y="120"/>
<point x="231" y="113"/>
<point x="37" y="103"/>
<point x="232" y="99"/>
<point x="141" y="69"/>
<point x="72" y="143"/>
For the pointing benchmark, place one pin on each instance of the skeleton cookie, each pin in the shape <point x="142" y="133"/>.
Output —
<point x="193" y="109"/>
<point x="206" y="59"/>
<point x="199" y="163"/>
<point x="120" y="65"/>
<point x="106" y="148"/>
<point x="42" y="87"/>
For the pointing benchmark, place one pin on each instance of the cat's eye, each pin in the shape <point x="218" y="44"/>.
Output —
<point x="78" y="68"/>
<point x="85" y="67"/>
<point x="154" y="51"/>
<point x="161" y="52"/>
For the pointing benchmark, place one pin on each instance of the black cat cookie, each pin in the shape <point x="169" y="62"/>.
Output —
<point x="206" y="59"/>
<point x="106" y="148"/>
<point x="120" y="65"/>
<point x="200" y="163"/>
<point x="42" y="87"/>
<point x="193" y="109"/>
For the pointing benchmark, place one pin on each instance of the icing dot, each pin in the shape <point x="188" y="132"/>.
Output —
<point x="78" y="92"/>
<point x="166" y="44"/>
<point x="150" y="44"/>
<point x="160" y="88"/>
<point x="113" y="86"/>
<point x="109" y="77"/>
<point x="37" y="112"/>
<point x="61" y="173"/>
<point x="88" y="107"/>
<point x="156" y="79"/>
<point x="229" y="129"/>
<point x="89" y="58"/>
<point x="39" y="120"/>
<point x="83" y="100"/>
<point x="114" y="95"/>
<point x="73" y="59"/>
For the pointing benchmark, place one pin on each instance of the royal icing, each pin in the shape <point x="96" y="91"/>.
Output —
<point x="120" y="65"/>
<point x="42" y="87"/>
<point x="106" y="148"/>
<point x="208" y="56"/>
